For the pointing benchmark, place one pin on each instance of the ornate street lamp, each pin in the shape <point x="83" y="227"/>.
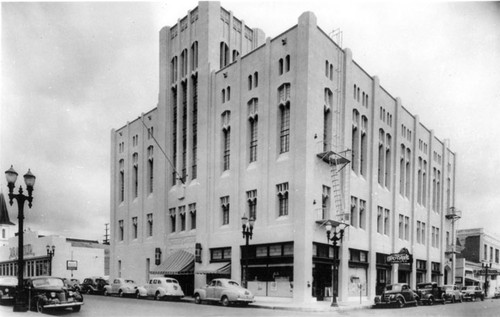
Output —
<point x="247" y="229"/>
<point x="50" y="252"/>
<point x="20" y="304"/>
<point x="335" y="238"/>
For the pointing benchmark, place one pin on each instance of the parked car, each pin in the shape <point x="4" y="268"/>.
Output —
<point x="161" y="288"/>
<point x="452" y="293"/>
<point x="8" y="285"/>
<point x="225" y="291"/>
<point x="497" y="293"/>
<point x="398" y="295"/>
<point x="429" y="293"/>
<point x="93" y="285"/>
<point x="472" y="293"/>
<point x="48" y="292"/>
<point x="72" y="283"/>
<point x="121" y="287"/>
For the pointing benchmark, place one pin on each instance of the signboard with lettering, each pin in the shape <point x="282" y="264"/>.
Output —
<point x="402" y="256"/>
<point x="27" y="250"/>
<point x="72" y="265"/>
<point x="490" y="272"/>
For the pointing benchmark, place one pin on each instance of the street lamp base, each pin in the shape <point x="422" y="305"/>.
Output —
<point x="334" y="302"/>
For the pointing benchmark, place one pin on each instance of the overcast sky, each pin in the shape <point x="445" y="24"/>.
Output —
<point x="73" y="71"/>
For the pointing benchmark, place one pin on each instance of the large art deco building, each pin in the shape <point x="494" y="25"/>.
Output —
<point x="292" y="132"/>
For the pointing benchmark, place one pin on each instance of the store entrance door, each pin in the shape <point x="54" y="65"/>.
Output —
<point x="322" y="281"/>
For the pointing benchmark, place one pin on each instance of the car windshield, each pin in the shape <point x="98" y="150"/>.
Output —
<point x="424" y="286"/>
<point x="48" y="282"/>
<point x="395" y="287"/>
<point x="8" y="281"/>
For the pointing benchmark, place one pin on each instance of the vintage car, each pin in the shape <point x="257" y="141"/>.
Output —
<point x="72" y="283"/>
<point x="121" y="287"/>
<point x="48" y="292"/>
<point x="398" y="295"/>
<point x="429" y="293"/>
<point x="496" y="294"/>
<point x="452" y="293"/>
<point x="8" y="285"/>
<point x="161" y="288"/>
<point x="225" y="291"/>
<point x="472" y="293"/>
<point x="92" y="285"/>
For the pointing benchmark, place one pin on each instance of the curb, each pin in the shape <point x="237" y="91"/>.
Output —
<point x="311" y="309"/>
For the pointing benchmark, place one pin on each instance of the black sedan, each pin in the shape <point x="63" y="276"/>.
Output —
<point x="49" y="292"/>
<point x="8" y="285"/>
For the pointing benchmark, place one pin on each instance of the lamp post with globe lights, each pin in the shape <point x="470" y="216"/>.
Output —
<point x="20" y="304"/>
<point x="50" y="252"/>
<point x="247" y="230"/>
<point x="335" y="238"/>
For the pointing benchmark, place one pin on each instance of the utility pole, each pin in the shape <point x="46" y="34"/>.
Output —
<point x="106" y="235"/>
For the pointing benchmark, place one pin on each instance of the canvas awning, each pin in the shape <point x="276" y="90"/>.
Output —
<point x="178" y="263"/>
<point x="470" y="280"/>
<point x="216" y="268"/>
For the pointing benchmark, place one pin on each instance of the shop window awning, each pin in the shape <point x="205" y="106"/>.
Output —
<point x="470" y="280"/>
<point x="216" y="268"/>
<point x="178" y="263"/>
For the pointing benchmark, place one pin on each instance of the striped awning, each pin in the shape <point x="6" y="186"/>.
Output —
<point x="178" y="263"/>
<point x="216" y="268"/>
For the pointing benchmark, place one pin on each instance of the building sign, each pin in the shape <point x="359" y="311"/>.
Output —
<point x="27" y="250"/>
<point x="402" y="257"/>
<point x="490" y="272"/>
<point x="71" y="265"/>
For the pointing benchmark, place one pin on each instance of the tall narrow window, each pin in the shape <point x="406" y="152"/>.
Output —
<point x="150" y="225"/>
<point x="282" y="190"/>
<point x="380" y="224"/>
<point x="408" y="171"/>
<point x="250" y="82"/>
<point x="401" y="226"/>
<point x="184" y="63"/>
<point x="363" y="160"/>
<point x="194" y="56"/>
<point x="224" y="202"/>
<point x="192" y="214"/>
<point x="174" y="136"/>
<point x="355" y="141"/>
<point x="284" y="108"/>
<point x="381" y="155"/>
<point x="438" y="191"/>
<point x="331" y="72"/>
<point x="362" y="214"/>
<point x="252" y="204"/>
<point x="122" y="180"/>
<point x="194" y="140"/>
<point x="424" y="184"/>
<point x="228" y="93"/>
<point x="150" y="169"/>
<point x="386" y="222"/>
<point x="135" y="175"/>
<point x="134" y="227"/>
<point x="325" y="202"/>
<point x="226" y="140"/>
<point x="424" y="233"/>
<point x="173" y="72"/>
<point x="354" y="211"/>
<point x="419" y="181"/>
<point x="388" y="161"/>
<point x="327" y="67"/>
<point x="407" y="228"/>
<point x="402" y="171"/>
<point x="120" y="230"/>
<point x="280" y="66"/>
<point x="327" y="121"/>
<point x="287" y="63"/>
<point x="253" y="106"/>
<point x="172" y="220"/>
<point x="184" y="131"/>
<point x="224" y="54"/>
<point x="182" y="215"/>
<point x="419" y="225"/>
<point x="235" y="54"/>
<point x="256" y="79"/>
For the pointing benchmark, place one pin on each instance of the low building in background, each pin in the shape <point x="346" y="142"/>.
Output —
<point x="478" y="249"/>
<point x="72" y="258"/>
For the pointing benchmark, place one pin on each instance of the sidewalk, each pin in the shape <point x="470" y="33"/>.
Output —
<point x="279" y="303"/>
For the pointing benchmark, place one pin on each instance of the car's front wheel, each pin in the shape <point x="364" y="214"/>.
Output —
<point x="197" y="299"/>
<point x="224" y="301"/>
<point x="77" y="308"/>
<point x="157" y="296"/>
<point x="138" y="295"/>
<point x="106" y="293"/>
<point x="431" y="301"/>
<point x="39" y="306"/>
<point x="400" y="303"/>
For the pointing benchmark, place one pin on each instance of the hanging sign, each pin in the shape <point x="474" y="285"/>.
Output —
<point x="402" y="256"/>
<point x="71" y="265"/>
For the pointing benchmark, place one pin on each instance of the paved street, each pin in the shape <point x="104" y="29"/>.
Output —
<point x="97" y="306"/>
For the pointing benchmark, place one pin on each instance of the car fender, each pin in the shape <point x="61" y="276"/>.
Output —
<point x="201" y="292"/>
<point x="162" y="290"/>
<point x="142" y="291"/>
<point x="108" y="288"/>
